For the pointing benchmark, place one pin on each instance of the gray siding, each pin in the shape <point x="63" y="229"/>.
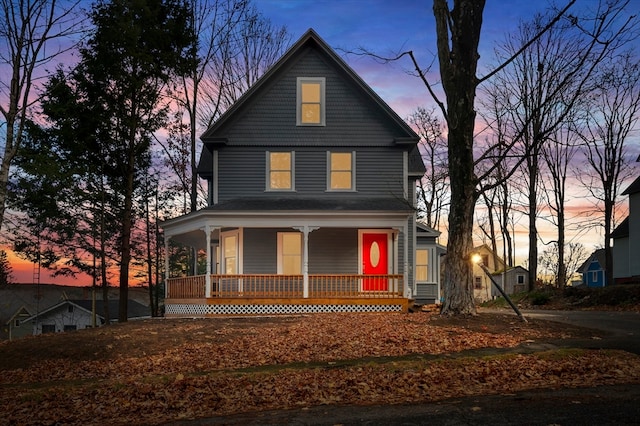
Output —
<point x="269" y="118"/>
<point x="242" y="173"/>
<point x="333" y="251"/>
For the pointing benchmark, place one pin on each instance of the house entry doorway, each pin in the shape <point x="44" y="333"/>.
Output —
<point x="374" y="249"/>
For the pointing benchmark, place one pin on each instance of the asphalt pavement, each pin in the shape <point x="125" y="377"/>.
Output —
<point x="622" y="329"/>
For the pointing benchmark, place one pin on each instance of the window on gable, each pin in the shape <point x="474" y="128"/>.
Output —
<point x="310" y="101"/>
<point x="422" y="264"/>
<point x="289" y="253"/>
<point x="520" y="279"/>
<point x="280" y="171"/>
<point x="341" y="171"/>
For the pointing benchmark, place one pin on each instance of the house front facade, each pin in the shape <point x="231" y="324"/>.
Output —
<point x="311" y="198"/>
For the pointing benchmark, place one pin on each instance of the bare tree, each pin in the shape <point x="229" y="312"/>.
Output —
<point x="433" y="187"/>
<point x="235" y="46"/>
<point x="574" y="255"/>
<point x="543" y="85"/>
<point x="33" y="33"/>
<point x="612" y="116"/>
<point x="558" y="156"/>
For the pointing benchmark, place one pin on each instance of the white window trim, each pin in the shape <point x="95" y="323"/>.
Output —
<point x="353" y="172"/>
<point x="323" y="102"/>
<point x="267" y="181"/>
<point x="280" y="254"/>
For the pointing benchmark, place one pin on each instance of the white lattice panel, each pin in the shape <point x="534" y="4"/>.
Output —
<point x="202" y="310"/>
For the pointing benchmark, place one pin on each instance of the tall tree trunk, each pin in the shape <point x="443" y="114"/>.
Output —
<point x="458" y="66"/>
<point x="127" y="224"/>
<point x="533" y="230"/>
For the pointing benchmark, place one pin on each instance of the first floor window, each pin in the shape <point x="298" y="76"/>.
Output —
<point x="230" y="260"/>
<point x="289" y="253"/>
<point x="422" y="265"/>
<point x="48" y="328"/>
<point x="520" y="279"/>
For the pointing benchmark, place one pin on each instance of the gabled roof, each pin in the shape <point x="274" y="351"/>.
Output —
<point x="18" y="313"/>
<point x="427" y="231"/>
<point x="598" y="256"/>
<point x="622" y="230"/>
<point x="311" y="39"/>
<point x="633" y="188"/>
<point x="134" y="309"/>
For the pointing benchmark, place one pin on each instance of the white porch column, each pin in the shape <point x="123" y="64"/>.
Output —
<point x="207" y="278"/>
<point x="306" y="229"/>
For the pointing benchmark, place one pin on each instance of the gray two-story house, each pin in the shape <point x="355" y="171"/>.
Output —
<point x="311" y="185"/>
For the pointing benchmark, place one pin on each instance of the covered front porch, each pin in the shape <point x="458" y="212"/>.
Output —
<point x="271" y="263"/>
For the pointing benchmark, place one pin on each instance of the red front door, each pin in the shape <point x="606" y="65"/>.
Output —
<point x="375" y="261"/>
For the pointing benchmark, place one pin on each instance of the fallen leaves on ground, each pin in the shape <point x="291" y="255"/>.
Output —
<point x="164" y="370"/>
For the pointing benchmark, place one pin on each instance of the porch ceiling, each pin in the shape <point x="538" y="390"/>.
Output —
<point x="195" y="239"/>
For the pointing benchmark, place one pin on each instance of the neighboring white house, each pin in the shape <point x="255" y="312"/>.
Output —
<point x="482" y="290"/>
<point x="71" y="315"/>
<point x="626" y="240"/>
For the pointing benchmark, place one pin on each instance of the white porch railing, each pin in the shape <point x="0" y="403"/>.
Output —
<point x="287" y="286"/>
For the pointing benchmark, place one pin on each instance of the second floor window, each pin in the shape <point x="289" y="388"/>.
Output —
<point x="280" y="171"/>
<point x="341" y="171"/>
<point x="310" y="101"/>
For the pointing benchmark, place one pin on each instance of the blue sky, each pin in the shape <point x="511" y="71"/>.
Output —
<point x="388" y="27"/>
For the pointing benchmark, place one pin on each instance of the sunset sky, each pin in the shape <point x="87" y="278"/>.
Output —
<point x="387" y="28"/>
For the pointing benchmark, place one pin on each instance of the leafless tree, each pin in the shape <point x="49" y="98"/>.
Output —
<point x="32" y="34"/>
<point x="458" y="33"/>
<point x="433" y="187"/>
<point x="574" y="255"/>
<point x="612" y="116"/>
<point x="235" y="46"/>
<point x="543" y="85"/>
<point x="558" y="157"/>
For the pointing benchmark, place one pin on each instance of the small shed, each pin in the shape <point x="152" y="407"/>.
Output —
<point x="512" y="281"/>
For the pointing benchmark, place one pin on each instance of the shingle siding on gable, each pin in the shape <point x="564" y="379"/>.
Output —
<point x="242" y="173"/>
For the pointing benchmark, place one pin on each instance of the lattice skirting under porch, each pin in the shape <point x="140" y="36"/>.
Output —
<point x="198" y="310"/>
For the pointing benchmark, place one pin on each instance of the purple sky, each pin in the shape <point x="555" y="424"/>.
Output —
<point x="387" y="28"/>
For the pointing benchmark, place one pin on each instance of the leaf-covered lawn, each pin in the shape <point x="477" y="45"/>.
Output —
<point x="156" y="371"/>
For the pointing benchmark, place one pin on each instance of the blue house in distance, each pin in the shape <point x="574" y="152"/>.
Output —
<point x="592" y="270"/>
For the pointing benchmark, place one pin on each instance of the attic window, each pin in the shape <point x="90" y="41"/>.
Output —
<point x="310" y="101"/>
